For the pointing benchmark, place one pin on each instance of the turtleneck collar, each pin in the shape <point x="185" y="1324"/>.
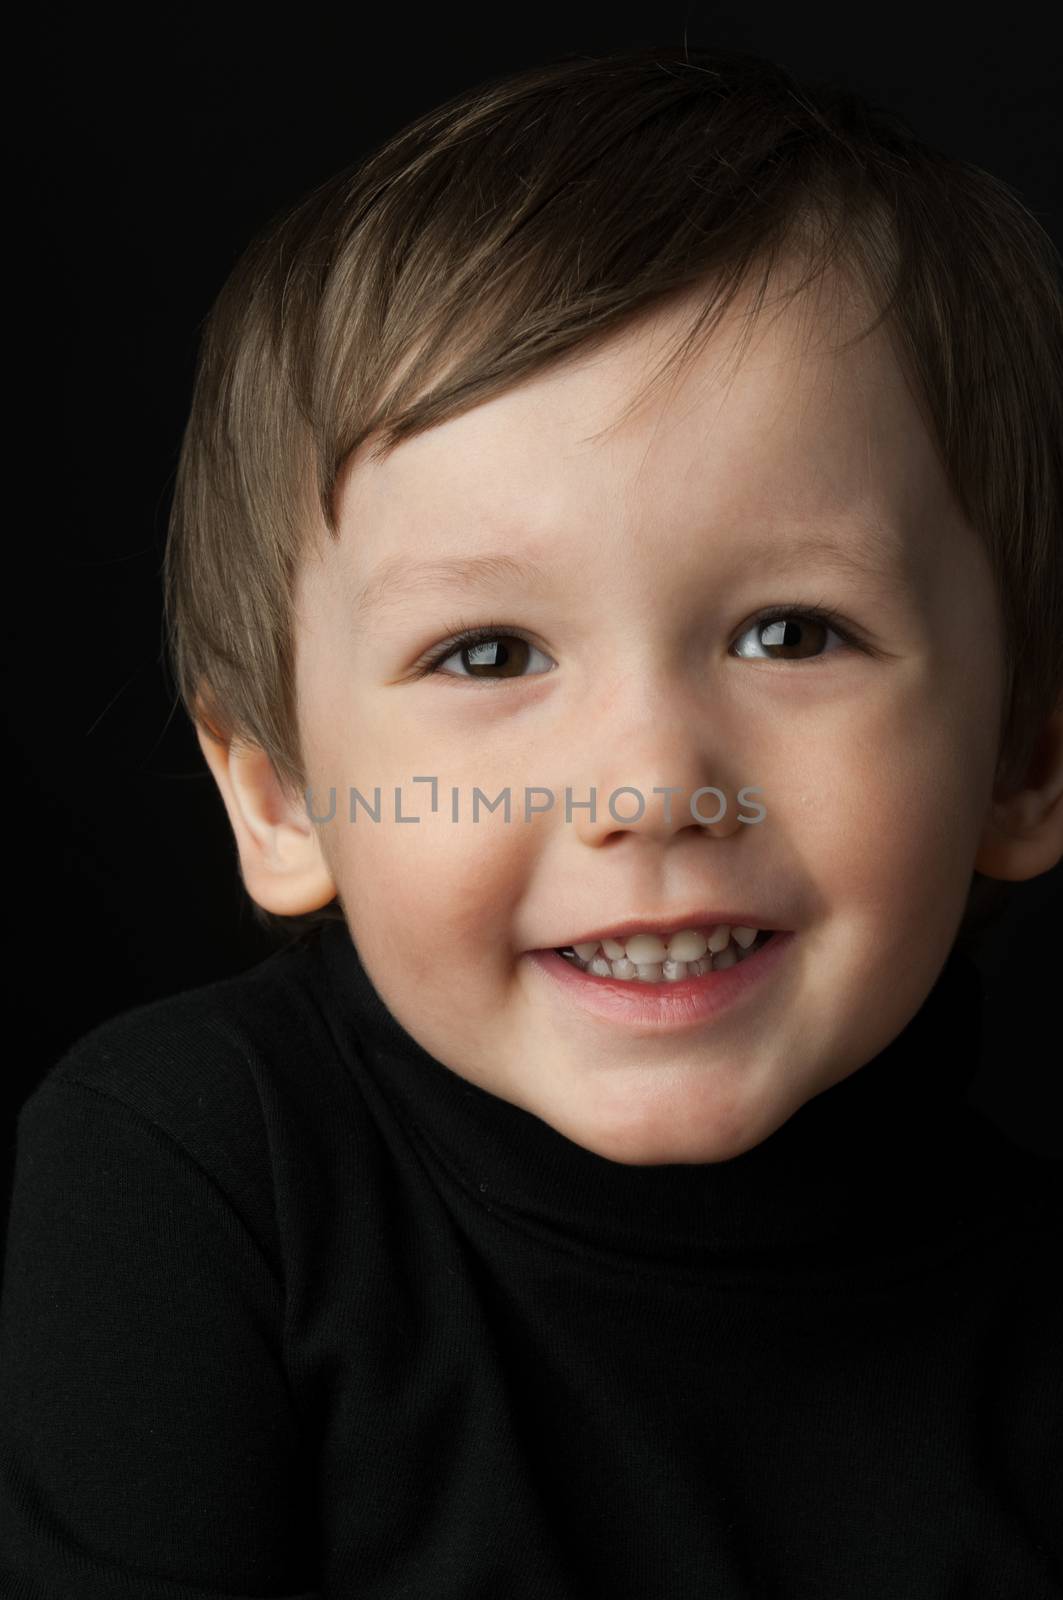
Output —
<point x="866" y="1165"/>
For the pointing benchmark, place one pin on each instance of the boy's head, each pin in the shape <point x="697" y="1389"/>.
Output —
<point x="444" y="355"/>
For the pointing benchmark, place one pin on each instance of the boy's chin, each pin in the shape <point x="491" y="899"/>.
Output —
<point x="672" y="1129"/>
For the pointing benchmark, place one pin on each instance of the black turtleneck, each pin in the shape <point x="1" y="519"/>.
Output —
<point x="290" y="1308"/>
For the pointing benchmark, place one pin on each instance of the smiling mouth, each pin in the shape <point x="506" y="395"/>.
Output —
<point x="600" y="964"/>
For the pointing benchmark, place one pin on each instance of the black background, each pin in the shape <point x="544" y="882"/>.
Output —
<point x="157" y="143"/>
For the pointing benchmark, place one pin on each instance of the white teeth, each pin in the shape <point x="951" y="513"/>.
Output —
<point x="688" y="945"/>
<point x="690" y="952"/>
<point x="647" y="949"/>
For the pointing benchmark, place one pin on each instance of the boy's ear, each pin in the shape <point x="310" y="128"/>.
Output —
<point x="1023" y="836"/>
<point x="281" y="860"/>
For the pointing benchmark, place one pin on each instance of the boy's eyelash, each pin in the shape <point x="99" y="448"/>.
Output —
<point x="466" y="637"/>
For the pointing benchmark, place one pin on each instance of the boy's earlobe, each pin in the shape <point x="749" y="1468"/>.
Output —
<point x="281" y="860"/>
<point x="1024" y="834"/>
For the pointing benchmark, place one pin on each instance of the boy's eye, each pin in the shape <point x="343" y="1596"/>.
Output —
<point x="792" y="635"/>
<point x="488" y="655"/>
<point x="789" y="633"/>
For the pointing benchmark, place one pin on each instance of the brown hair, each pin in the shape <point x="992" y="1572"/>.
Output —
<point x="539" y="213"/>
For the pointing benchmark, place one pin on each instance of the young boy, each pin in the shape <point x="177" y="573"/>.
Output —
<point x="582" y="1200"/>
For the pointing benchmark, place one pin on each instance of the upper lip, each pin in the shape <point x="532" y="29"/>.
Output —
<point x="672" y="924"/>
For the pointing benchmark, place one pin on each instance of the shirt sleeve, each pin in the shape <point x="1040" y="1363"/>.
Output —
<point x="149" y="1444"/>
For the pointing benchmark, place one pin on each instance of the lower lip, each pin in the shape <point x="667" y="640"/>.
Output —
<point x="670" y="1007"/>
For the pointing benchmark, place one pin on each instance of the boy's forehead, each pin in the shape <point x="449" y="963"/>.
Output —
<point x="574" y="406"/>
<point x="792" y="432"/>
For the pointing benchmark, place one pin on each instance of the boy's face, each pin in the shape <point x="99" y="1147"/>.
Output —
<point x="659" y="545"/>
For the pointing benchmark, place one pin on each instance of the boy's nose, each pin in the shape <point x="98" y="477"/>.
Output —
<point x="658" y="801"/>
<point x="638" y="810"/>
<point x="658" y="765"/>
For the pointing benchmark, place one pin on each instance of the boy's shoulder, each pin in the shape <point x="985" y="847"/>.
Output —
<point x="210" y="1028"/>
<point x="1021" y="1187"/>
<point x="204" y="1066"/>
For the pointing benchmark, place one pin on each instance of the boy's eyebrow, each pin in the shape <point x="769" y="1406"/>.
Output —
<point x="868" y="555"/>
<point x="396" y="576"/>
